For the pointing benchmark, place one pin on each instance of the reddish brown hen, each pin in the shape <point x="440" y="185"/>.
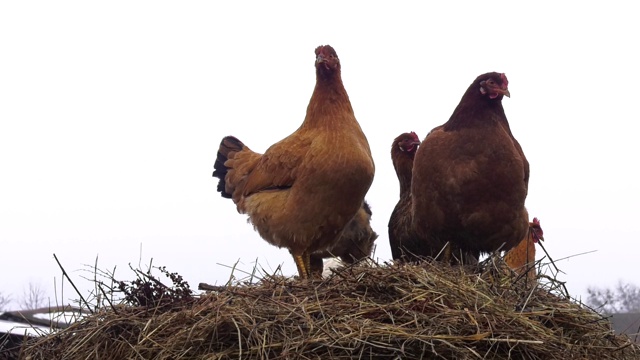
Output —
<point x="304" y="189"/>
<point x="470" y="176"/>
<point x="402" y="238"/>
<point x="522" y="257"/>
<point x="355" y="243"/>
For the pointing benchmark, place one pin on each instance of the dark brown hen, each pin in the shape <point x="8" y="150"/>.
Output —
<point x="355" y="243"/>
<point x="470" y="175"/>
<point x="402" y="239"/>
<point x="302" y="192"/>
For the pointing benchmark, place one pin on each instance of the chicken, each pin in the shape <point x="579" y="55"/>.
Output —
<point x="470" y="176"/>
<point x="356" y="242"/>
<point x="403" y="242"/>
<point x="302" y="192"/>
<point x="522" y="257"/>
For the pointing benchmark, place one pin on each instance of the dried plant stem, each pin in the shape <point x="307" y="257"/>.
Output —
<point x="64" y="273"/>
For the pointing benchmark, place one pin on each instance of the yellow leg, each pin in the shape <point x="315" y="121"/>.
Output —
<point x="306" y="257"/>
<point x="303" y="263"/>
<point x="447" y="253"/>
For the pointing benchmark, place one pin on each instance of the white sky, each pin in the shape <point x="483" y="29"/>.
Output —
<point x="111" y="114"/>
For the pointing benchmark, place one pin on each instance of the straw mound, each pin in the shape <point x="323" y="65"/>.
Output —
<point x="427" y="311"/>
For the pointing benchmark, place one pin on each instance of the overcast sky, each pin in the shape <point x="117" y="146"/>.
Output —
<point x="111" y="114"/>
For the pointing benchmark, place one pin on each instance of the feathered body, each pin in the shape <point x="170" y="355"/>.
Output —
<point x="470" y="175"/>
<point x="355" y="243"/>
<point x="304" y="189"/>
<point x="402" y="239"/>
<point x="522" y="257"/>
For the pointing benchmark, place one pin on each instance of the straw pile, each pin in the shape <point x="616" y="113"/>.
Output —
<point x="426" y="311"/>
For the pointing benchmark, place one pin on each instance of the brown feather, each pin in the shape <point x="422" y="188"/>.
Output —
<point x="470" y="177"/>
<point x="404" y="243"/>
<point x="355" y="242"/>
<point x="522" y="257"/>
<point x="304" y="189"/>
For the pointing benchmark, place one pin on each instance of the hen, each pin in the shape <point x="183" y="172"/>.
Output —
<point x="522" y="257"/>
<point x="355" y="243"/>
<point x="470" y="176"/>
<point x="402" y="239"/>
<point x="304" y="189"/>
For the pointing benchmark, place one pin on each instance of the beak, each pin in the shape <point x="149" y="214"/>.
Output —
<point x="506" y="93"/>
<point x="319" y="59"/>
<point x="415" y="143"/>
<point x="535" y="236"/>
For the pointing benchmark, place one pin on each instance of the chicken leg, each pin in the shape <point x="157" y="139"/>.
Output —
<point x="303" y="263"/>
<point x="447" y="252"/>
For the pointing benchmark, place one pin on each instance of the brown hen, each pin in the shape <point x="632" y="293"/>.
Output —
<point x="402" y="238"/>
<point x="355" y="243"/>
<point x="470" y="176"/>
<point x="522" y="257"/>
<point x="304" y="189"/>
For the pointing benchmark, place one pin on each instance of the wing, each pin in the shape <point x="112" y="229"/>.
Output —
<point x="279" y="167"/>
<point x="525" y="162"/>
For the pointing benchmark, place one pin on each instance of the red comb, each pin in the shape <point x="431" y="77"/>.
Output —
<point x="536" y="230"/>
<point x="505" y="82"/>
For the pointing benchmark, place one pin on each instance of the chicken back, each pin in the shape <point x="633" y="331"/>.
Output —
<point x="470" y="175"/>
<point x="302" y="192"/>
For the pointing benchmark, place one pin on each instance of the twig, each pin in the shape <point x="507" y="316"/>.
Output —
<point x="207" y="287"/>
<point x="106" y="297"/>
<point x="64" y="273"/>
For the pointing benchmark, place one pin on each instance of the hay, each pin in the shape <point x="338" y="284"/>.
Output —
<point x="426" y="311"/>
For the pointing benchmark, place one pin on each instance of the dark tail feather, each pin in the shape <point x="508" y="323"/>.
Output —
<point x="227" y="145"/>
<point x="367" y="208"/>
